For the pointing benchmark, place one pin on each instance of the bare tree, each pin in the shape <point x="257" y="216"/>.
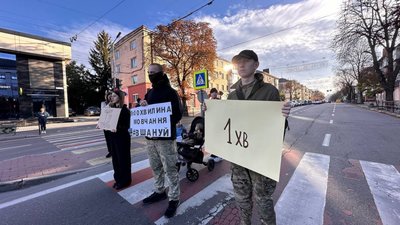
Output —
<point x="345" y="81"/>
<point x="355" y="57"/>
<point x="376" y="22"/>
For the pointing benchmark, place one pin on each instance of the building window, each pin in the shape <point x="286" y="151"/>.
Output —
<point x="217" y="86"/>
<point x="135" y="97"/>
<point x="222" y="87"/>
<point x="222" y="76"/>
<point x="13" y="77"/>
<point x="132" y="45"/>
<point x="2" y="76"/>
<point x="118" y="68"/>
<point x="133" y="62"/>
<point x="134" y="79"/>
<point x="117" y="55"/>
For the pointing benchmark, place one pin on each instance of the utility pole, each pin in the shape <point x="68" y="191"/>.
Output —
<point x="113" y="74"/>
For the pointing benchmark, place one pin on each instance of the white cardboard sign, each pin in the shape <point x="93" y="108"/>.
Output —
<point x="247" y="133"/>
<point x="109" y="118"/>
<point x="152" y="120"/>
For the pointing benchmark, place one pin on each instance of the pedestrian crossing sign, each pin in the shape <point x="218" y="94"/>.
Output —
<point x="200" y="80"/>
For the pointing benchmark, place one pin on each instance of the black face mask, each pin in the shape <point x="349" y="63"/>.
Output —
<point x="155" y="77"/>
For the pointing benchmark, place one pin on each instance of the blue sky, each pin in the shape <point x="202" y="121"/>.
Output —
<point x="291" y="37"/>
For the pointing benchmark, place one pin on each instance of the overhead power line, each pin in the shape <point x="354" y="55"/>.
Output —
<point x="196" y="10"/>
<point x="75" y="37"/>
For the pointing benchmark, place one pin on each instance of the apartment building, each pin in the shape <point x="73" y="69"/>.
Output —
<point x="131" y="57"/>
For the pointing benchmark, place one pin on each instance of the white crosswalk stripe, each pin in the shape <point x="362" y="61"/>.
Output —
<point x="307" y="187"/>
<point x="302" y="201"/>
<point x="384" y="182"/>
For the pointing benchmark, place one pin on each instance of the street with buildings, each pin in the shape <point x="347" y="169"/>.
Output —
<point x="59" y="61"/>
<point x="338" y="167"/>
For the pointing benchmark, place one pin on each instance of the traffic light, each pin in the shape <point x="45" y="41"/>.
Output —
<point x="117" y="83"/>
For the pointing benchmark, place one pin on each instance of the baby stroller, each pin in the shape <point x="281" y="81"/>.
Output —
<point x="190" y="150"/>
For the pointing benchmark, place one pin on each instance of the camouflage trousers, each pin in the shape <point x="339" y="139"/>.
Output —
<point x="163" y="157"/>
<point x="245" y="183"/>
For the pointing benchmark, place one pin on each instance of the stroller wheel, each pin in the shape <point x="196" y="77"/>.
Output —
<point x="210" y="165"/>
<point x="192" y="175"/>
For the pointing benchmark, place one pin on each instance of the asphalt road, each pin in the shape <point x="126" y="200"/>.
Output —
<point x="340" y="166"/>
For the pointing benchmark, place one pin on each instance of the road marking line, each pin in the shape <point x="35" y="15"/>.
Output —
<point x="19" y="146"/>
<point x="327" y="139"/>
<point x="98" y="161"/>
<point x="333" y="114"/>
<point x="331" y="121"/>
<point x="223" y="184"/>
<point x="384" y="182"/>
<point x="86" y="150"/>
<point x="303" y="199"/>
<point x="106" y="176"/>
<point x="45" y="192"/>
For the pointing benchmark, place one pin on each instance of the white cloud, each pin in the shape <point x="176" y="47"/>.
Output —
<point x="85" y="40"/>
<point x="290" y="34"/>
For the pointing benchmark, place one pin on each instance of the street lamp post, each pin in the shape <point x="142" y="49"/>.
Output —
<point x="113" y="74"/>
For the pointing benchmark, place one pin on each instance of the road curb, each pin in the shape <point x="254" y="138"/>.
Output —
<point x="31" y="181"/>
<point x="379" y="111"/>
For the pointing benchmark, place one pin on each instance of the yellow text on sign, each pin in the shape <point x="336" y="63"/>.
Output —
<point x="247" y="133"/>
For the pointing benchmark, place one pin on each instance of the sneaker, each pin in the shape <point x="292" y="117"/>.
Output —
<point x="171" y="210"/>
<point x="155" y="197"/>
<point x="217" y="159"/>
<point x="44" y="131"/>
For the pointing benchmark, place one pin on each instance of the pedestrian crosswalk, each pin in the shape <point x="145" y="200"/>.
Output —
<point x="90" y="144"/>
<point x="302" y="201"/>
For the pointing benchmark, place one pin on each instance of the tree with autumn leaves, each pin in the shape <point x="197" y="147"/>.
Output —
<point x="184" y="46"/>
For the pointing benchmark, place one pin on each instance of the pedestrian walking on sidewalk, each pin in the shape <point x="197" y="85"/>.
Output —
<point x="42" y="118"/>
<point x="120" y="142"/>
<point x="162" y="152"/>
<point x="105" y="104"/>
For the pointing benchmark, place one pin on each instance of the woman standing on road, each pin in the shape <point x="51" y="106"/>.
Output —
<point x="107" y="132"/>
<point x="120" y="142"/>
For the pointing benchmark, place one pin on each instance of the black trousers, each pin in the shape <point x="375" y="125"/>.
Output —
<point x="120" y="143"/>
<point x="107" y="134"/>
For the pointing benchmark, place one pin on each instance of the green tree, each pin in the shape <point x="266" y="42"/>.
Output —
<point x="99" y="59"/>
<point x="185" y="46"/>
<point x="78" y="86"/>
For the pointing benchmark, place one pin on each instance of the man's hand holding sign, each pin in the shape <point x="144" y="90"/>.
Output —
<point x="250" y="138"/>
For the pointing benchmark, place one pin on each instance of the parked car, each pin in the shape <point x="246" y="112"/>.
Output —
<point x="92" y="111"/>
<point x="71" y="112"/>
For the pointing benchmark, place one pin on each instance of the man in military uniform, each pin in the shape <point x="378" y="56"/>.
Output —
<point x="162" y="151"/>
<point x="246" y="182"/>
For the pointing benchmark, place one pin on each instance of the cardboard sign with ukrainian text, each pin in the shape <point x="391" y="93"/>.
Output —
<point x="152" y="120"/>
<point x="109" y="118"/>
<point x="247" y="133"/>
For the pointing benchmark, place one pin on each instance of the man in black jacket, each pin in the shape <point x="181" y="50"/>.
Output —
<point x="162" y="152"/>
